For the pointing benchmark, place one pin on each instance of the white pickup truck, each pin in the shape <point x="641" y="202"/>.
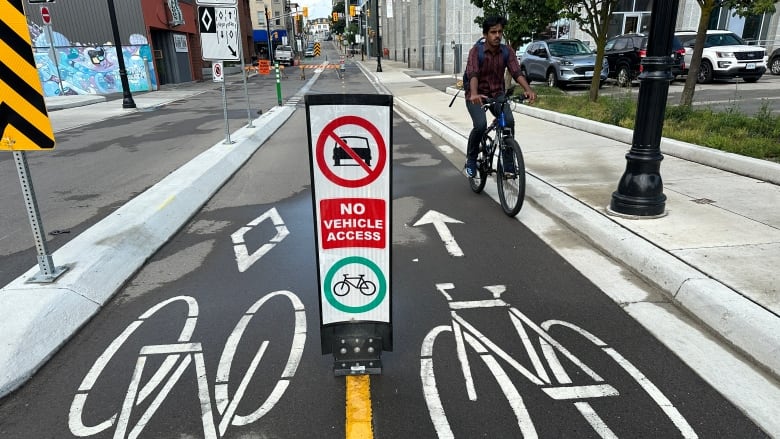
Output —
<point x="284" y="55"/>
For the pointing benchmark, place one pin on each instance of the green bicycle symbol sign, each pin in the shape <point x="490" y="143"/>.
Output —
<point x="366" y="287"/>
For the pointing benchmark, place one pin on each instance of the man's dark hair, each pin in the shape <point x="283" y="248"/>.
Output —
<point x="492" y="21"/>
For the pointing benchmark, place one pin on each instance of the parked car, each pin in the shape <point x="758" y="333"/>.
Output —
<point x="560" y="62"/>
<point x="624" y="54"/>
<point x="774" y="62"/>
<point x="725" y="56"/>
<point x="521" y="50"/>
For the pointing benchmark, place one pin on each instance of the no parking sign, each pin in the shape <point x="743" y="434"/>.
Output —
<point x="350" y="143"/>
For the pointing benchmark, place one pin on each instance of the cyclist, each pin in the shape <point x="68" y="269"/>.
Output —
<point x="485" y="73"/>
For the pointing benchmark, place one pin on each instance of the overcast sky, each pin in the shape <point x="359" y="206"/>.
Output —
<point x="317" y="8"/>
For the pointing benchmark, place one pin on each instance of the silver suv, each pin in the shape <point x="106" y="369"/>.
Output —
<point x="561" y="62"/>
<point x="725" y="56"/>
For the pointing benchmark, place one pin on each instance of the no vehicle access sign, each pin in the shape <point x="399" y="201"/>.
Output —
<point x="350" y="143"/>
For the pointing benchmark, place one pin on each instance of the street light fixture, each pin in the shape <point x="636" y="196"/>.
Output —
<point x="127" y="97"/>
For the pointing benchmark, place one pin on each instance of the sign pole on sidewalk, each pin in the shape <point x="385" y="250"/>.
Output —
<point x="225" y="112"/>
<point x="49" y="272"/>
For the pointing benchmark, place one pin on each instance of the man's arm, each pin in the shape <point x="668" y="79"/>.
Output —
<point x="514" y="68"/>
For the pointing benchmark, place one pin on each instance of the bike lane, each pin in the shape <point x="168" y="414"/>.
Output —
<point x="262" y="221"/>
<point x="503" y="289"/>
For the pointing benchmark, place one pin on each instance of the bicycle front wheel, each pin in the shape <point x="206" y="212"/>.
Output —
<point x="341" y="288"/>
<point x="477" y="183"/>
<point x="511" y="177"/>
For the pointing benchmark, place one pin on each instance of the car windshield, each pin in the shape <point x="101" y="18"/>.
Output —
<point x="723" y="40"/>
<point x="569" y="48"/>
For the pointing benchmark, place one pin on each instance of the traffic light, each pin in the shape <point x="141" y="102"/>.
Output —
<point x="305" y="11"/>
<point x="335" y="16"/>
<point x="351" y="10"/>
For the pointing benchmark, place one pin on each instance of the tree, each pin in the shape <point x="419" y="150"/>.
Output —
<point x="593" y="17"/>
<point x="338" y="26"/>
<point x="525" y="18"/>
<point x="743" y="8"/>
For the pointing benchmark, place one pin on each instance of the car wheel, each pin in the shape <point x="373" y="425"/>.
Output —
<point x="552" y="79"/>
<point x="623" y="76"/>
<point x="525" y="74"/>
<point x="774" y="65"/>
<point x="705" y="72"/>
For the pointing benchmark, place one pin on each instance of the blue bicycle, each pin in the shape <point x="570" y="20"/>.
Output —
<point x="498" y="146"/>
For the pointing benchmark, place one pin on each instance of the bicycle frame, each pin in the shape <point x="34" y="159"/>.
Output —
<point x="499" y="127"/>
<point x="557" y="386"/>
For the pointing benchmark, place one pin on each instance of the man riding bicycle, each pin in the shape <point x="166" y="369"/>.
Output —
<point x="485" y="72"/>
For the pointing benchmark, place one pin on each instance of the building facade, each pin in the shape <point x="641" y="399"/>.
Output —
<point x="437" y="34"/>
<point x="76" y="53"/>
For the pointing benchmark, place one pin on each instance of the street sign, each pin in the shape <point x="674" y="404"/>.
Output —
<point x="350" y="143"/>
<point x="264" y="67"/>
<point x="24" y="122"/>
<point x="45" y="16"/>
<point x="219" y="33"/>
<point x="217" y="72"/>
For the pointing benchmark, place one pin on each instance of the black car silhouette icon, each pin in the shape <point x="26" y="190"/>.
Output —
<point x="357" y="144"/>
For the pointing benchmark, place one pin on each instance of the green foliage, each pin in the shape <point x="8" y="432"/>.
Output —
<point x="524" y="17"/>
<point x="730" y="130"/>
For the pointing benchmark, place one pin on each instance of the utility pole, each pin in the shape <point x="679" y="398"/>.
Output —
<point x="640" y="190"/>
<point x="378" y="40"/>
<point x="127" y="97"/>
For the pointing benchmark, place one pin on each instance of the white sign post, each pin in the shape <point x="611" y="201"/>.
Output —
<point x="350" y="143"/>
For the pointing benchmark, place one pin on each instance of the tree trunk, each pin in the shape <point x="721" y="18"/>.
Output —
<point x="686" y="99"/>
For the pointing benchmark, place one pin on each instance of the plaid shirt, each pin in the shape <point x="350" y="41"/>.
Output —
<point x="491" y="74"/>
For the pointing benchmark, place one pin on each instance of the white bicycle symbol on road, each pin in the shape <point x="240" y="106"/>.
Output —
<point x="559" y="386"/>
<point x="179" y="356"/>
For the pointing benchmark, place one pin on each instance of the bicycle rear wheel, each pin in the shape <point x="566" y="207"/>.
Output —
<point x="477" y="183"/>
<point x="511" y="185"/>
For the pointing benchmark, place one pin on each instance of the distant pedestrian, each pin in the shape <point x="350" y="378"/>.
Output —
<point x="485" y="74"/>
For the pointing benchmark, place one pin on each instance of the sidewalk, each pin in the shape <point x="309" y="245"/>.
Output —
<point x="714" y="254"/>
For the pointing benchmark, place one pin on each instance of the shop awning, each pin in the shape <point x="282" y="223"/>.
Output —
<point x="261" y="35"/>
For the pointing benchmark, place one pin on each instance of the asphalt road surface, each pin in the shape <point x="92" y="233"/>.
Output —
<point x="507" y="339"/>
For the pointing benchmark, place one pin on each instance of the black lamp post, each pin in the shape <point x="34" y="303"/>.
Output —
<point x="378" y="40"/>
<point x="127" y="99"/>
<point x="640" y="190"/>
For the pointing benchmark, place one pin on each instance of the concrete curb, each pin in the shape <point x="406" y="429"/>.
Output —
<point x="755" y="168"/>
<point x="105" y="256"/>
<point x="55" y="103"/>
<point x="748" y="327"/>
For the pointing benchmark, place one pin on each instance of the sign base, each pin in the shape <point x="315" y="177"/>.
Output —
<point x="356" y="347"/>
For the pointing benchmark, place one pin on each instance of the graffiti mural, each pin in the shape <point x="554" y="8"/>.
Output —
<point x="90" y="68"/>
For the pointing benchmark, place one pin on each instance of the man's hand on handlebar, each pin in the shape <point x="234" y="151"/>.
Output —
<point x="478" y="99"/>
<point x="530" y="95"/>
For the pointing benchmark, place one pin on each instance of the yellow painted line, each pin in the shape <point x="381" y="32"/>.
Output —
<point x="166" y="202"/>
<point x="358" y="425"/>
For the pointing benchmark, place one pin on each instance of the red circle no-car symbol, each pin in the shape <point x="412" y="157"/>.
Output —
<point x="45" y="16"/>
<point x="329" y="132"/>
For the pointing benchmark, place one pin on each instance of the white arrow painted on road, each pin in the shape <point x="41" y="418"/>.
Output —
<point x="243" y="258"/>
<point x="439" y="221"/>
